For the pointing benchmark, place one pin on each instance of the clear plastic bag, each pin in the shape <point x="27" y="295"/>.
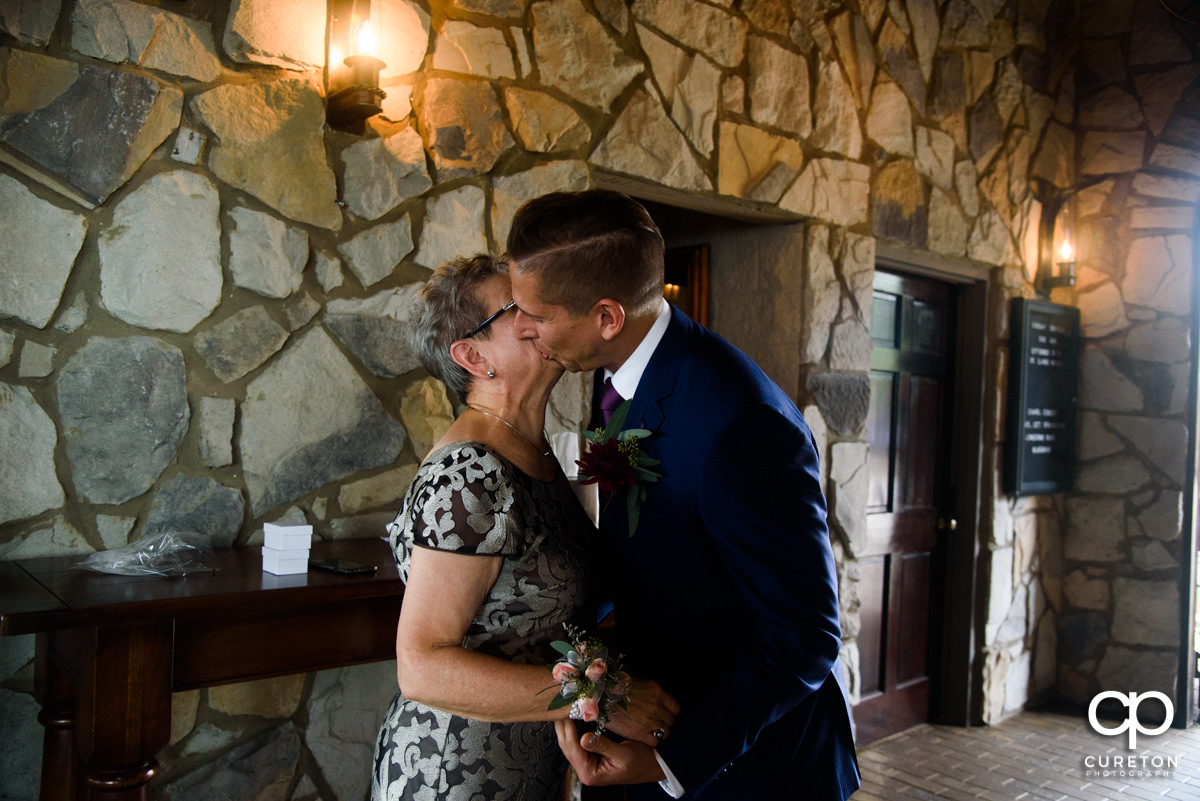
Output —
<point x="168" y="554"/>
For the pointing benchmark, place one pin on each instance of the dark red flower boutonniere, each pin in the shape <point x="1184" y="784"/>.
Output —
<point x="614" y="460"/>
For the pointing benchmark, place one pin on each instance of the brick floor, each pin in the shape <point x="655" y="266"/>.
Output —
<point x="1035" y="756"/>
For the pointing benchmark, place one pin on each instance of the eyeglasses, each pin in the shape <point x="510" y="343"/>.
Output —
<point x="489" y="320"/>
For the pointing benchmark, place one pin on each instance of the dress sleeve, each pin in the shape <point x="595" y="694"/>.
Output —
<point x="464" y="505"/>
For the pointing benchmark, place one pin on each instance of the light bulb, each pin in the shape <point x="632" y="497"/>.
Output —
<point x="367" y="41"/>
<point x="1066" y="251"/>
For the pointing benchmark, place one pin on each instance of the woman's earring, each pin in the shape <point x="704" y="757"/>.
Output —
<point x="491" y="374"/>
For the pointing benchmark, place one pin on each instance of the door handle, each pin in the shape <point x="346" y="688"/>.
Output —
<point x="943" y="524"/>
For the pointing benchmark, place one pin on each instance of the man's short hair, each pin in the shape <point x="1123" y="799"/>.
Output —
<point x="585" y="246"/>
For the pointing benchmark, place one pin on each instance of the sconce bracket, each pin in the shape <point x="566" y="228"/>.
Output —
<point x="348" y="109"/>
<point x="1065" y="277"/>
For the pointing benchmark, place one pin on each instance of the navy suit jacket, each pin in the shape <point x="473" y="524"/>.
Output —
<point x="726" y="593"/>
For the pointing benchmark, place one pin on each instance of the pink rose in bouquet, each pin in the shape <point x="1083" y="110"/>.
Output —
<point x="596" y="670"/>
<point x="563" y="671"/>
<point x="588" y="709"/>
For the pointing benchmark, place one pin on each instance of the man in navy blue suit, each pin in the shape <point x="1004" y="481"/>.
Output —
<point x="726" y="590"/>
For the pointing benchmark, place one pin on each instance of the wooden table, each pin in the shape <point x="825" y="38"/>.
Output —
<point x="112" y="649"/>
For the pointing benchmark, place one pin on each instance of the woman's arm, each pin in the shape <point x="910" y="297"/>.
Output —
<point x="443" y="593"/>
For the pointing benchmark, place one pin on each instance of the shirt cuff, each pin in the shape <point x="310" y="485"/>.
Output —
<point x="670" y="785"/>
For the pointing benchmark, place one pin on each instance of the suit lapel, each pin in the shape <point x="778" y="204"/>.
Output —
<point x="648" y="407"/>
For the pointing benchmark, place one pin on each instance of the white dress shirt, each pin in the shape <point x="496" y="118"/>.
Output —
<point x="629" y="375"/>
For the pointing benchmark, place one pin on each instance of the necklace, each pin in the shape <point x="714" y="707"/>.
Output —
<point x="516" y="430"/>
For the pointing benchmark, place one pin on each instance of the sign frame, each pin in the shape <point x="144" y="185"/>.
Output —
<point x="1043" y="381"/>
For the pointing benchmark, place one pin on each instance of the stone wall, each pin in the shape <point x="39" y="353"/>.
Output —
<point x="1137" y="135"/>
<point x="206" y="286"/>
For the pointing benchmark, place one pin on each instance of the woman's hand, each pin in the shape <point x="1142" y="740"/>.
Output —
<point x="649" y="715"/>
<point x="601" y="761"/>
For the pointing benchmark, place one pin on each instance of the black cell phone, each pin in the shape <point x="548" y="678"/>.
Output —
<point x="345" y="567"/>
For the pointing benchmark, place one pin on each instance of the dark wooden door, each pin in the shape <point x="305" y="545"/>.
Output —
<point x="686" y="280"/>
<point x="908" y="428"/>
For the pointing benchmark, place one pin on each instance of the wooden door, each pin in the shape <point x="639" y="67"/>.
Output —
<point x="908" y="428"/>
<point x="686" y="280"/>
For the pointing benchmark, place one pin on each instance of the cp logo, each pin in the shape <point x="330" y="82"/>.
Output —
<point x="1131" y="700"/>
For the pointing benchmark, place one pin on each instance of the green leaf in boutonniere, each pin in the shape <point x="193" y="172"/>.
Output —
<point x="614" y="460"/>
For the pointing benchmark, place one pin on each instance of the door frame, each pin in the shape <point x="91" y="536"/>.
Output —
<point x="1189" y="651"/>
<point x="958" y="693"/>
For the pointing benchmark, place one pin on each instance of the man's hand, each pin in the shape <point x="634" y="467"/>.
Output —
<point x="649" y="715"/>
<point x="601" y="761"/>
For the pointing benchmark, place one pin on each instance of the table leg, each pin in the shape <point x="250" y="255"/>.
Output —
<point x="128" y="783"/>
<point x="124" y="708"/>
<point x="55" y="690"/>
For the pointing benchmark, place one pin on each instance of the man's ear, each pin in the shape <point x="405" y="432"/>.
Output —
<point x="468" y="357"/>
<point x="610" y="318"/>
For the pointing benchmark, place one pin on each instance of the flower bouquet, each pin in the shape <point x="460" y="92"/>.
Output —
<point x="614" y="459"/>
<point x="591" y="679"/>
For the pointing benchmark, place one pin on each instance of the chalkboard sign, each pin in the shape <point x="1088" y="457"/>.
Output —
<point x="1039" y="451"/>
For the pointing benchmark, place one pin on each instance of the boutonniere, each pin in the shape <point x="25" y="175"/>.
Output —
<point x="614" y="460"/>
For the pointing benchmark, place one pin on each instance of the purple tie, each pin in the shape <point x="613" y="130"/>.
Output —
<point x="610" y="399"/>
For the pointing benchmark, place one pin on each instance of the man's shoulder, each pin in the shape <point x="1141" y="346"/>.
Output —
<point x="710" y="360"/>
<point x="706" y="349"/>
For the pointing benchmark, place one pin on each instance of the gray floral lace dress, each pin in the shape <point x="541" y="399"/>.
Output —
<point x="467" y="499"/>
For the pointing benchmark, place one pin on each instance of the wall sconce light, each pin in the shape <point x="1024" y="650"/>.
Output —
<point x="1056" y="261"/>
<point x="351" y="66"/>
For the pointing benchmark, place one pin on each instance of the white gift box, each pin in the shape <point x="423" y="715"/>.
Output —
<point x="273" y="582"/>
<point x="287" y="538"/>
<point x="285" y="562"/>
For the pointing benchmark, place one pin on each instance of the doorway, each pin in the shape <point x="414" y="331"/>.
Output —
<point x="917" y="588"/>
<point x="902" y="567"/>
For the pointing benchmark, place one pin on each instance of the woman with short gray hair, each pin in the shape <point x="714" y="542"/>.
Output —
<point x="447" y="309"/>
<point x="493" y="548"/>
